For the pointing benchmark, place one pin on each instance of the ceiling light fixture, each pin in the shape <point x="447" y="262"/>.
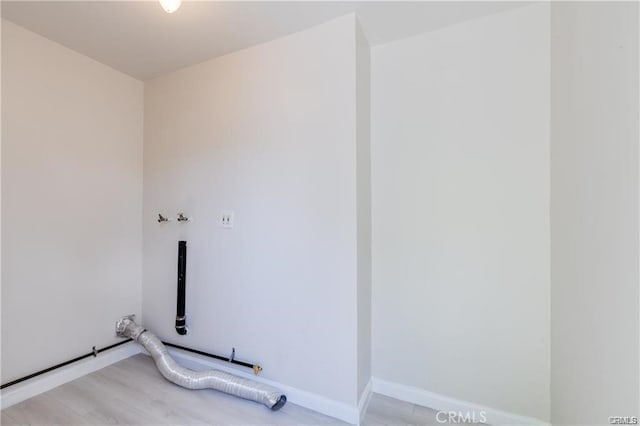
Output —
<point x="170" y="6"/>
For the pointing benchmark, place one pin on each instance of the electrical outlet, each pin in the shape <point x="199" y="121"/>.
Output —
<point x="226" y="219"/>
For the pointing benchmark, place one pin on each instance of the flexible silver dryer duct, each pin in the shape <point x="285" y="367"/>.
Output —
<point x="211" y="379"/>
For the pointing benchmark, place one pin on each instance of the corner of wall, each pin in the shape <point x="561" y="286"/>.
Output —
<point x="363" y="195"/>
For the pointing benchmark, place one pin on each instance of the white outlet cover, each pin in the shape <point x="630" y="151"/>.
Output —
<point x="226" y="219"/>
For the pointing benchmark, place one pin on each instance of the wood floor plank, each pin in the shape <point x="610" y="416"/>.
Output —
<point x="150" y="388"/>
<point x="6" y="419"/>
<point x="133" y="392"/>
<point x="388" y="411"/>
<point x="43" y="410"/>
<point x="424" y="416"/>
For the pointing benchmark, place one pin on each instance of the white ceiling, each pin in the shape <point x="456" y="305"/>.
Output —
<point x="140" y="39"/>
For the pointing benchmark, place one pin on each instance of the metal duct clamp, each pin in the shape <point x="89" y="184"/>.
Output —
<point x="123" y="328"/>
<point x="181" y="325"/>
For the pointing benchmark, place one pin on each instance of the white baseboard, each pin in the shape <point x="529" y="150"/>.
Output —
<point x="439" y="402"/>
<point x="364" y="401"/>
<point x="315" y="402"/>
<point x="30" y="388"/>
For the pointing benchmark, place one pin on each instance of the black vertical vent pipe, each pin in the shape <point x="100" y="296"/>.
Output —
<point x="181" y="319"/>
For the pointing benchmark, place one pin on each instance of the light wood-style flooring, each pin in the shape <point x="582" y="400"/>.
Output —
<point x="133" y="392"/>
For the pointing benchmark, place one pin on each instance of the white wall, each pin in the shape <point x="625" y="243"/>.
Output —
<point x="1" y="22"/>
<point x="594" y="211"/>
<point x="270" y="133"/>
<point x="460" y="159"/>
<point x="363" y="178"/>
<point x="71" y="193"/>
